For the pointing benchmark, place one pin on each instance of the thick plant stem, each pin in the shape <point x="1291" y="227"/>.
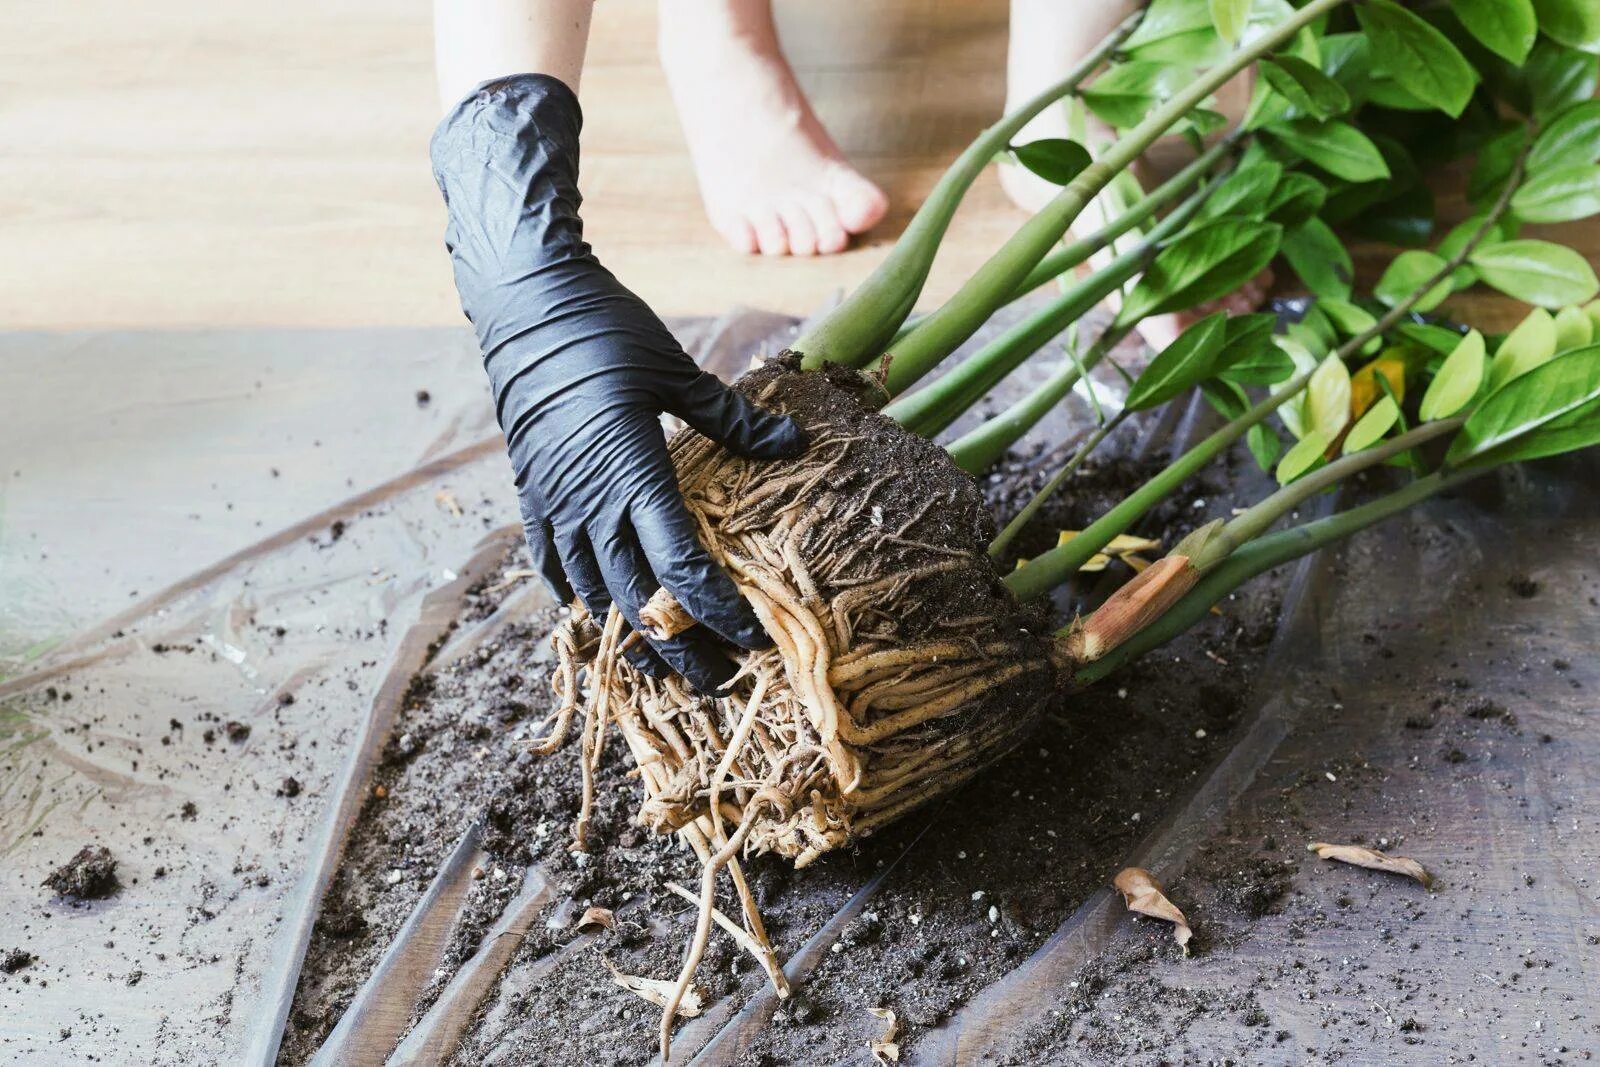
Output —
<point x="994" y="283"/>
<point x="860" y="327"/>
<point x="1068" y="256"/>
<point x="1262" y="555"/>
<point x="1258" y="519"/>
<point x="963" y="386"/>
<point x="1039" y="576"/>
<point x="987" y="443"/>
<point x="1053" y="486"/>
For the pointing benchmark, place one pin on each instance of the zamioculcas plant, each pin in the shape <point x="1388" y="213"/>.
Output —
<point x="906" y="659"/>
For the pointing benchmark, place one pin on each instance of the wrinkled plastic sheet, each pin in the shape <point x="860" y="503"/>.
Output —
<point x="222" y="558"/>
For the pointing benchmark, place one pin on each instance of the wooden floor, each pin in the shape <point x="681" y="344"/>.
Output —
<point x="190" y="164"/>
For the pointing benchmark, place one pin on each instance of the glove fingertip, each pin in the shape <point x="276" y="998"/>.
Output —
<point x="778" y="437"/>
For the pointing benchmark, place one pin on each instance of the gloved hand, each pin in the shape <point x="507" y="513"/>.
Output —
<point x="581" y="370"/>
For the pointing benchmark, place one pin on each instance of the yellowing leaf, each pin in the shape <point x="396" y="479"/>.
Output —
<point x="1122" y="544"/>
<point x="1574" y="329"/>
<point x="1304" y="455"/>
<point x="1143" y="894"/>
<point x="1372" y="858"/>
<point x="1371" y="427"/>
<point x="1457" y="381"/>
<point x="1364" y="388"/>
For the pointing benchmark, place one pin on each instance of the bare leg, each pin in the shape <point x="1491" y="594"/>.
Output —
<point x="771" y="178"/>
<point x="1047" y="38"/>
<point x="475" y="40"/>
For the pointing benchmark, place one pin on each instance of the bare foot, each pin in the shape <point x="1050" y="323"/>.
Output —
<point x="771" y="177"/>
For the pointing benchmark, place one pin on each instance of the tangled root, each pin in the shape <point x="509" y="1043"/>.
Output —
<point x="901" y="667"/>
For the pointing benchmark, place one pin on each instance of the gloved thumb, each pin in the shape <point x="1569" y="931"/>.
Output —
<point x="730" y="418"/>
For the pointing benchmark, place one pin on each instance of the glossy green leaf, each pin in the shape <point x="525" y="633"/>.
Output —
<point x="1418" y="57"/>
<point x="1249" y="355"/>
<point x="1593" y="311"/>
<point x="1570" y="139"/>
<point x="1245" y="192"/>
<point x="1125" y="93"/>
<point x="1297" y="198"/>
<point x="1309" y="90"/>
<point x="1532" y="343"/>
<point x="1166" y="19"/>
<point x="1574" y="329"/>
<point x="1305" y="456"/>
<point x="1560" y="195"/>
<point x="1561" y="387"/>
<point x="1456" y="240"/>
<point x="1409" y="272"/>
<point x="1505" y="27"/>
<point x="1227" y="399"/>
<point x="1575" y="23"/>
<point x="1183" y="364"/>
<point x="1230" y="17"/>
<point x="1055" y="159"/>
<point x="1579" y="428"/>
<point x="1202" y="265"/>
<point x="1559" y="77"/>
<point x="1337" y="147"/>
<point x="1457" y="380"/>
<point x="1351" y="321"/>
<point x="1433" y="338"/>
<point x="1497" y="159"/>
<point x="1264" y="444"/>
<point x="1538" y="272"/>
<point x="1319" y="258"/>
<point x="1370" y="428"/>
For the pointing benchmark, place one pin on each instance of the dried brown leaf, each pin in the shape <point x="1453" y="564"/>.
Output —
<point x="446" y="499"/>
<point x="659" y="991"/>
<point x="886" y="1049"/>
<point x="597" y="917"/>
<point x="1143" y="894"/>
<point x="1372" y="858"/>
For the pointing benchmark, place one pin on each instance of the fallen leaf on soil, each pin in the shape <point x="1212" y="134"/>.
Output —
<point x="1367" y="857"/>
<point x="512" y="577"/>
<point x="1142" y="893"/>
<point x="597" y="917"/>
<point x="658" y="991"/>
<point x="886" y="1049"/>
<point x="448" y="501"/>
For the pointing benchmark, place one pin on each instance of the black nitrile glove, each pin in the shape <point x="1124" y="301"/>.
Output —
<point x="581" y="370"/>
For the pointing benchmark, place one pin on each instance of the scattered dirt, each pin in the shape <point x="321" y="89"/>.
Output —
<point x="978" y="880"/>
<point x="90" y="875"/>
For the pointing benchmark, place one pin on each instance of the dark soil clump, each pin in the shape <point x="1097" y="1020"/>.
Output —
<point x="90" y="875"/>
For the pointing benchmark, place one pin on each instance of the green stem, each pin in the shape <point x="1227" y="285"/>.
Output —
<point x="1050" y="488"/>
<point x="1068" y="256"/>
<point x="1258" y="519"/>
<point x="982" y="446"/>
<point x="965" y="385"/>
<point x="1000" y="277"/>
<point x="860" y="327"/>
<point x="1256" y="557"/>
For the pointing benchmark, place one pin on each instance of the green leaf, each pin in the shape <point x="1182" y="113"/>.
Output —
<point x="1310" y="91"/>
<point x="1320" y="259"/>
<point x="1182" y="364"/>
<point x="1229" y="400"/>
<point x="1561" y="195"/>
<point x="1506" y="27"/>
<point x="1559" y="77"/>
<point x="1409" y="272"/>
<point x="1433" y="338"/>
<point x="1575" y="23"/>
<point x="1166" y="19"/>
<point x="1305" y="456"/>
<point x="1351" y="321"/>
<point x="1337" y="147"/>
<point x="1325" y="405"/>
<point x="1297" y="198"/>
<point x="1537" y="399"/>
<point x="1418" y="57"/>
<point x="1230" y="17"/>
<point x="1497" y="159"/>
<point x="1201" y="265"/>
<point x="1456" y="240"/>
<point x="1055" y="159"/>
<point x="1537" y="272"/>
<point x="1265" y="445"/>
<point x="1593" y="311"/>
<point x="1532" y="343"/>
<point x="1370" y="428"/>
<point x="1244" y="192"/>
<point x="1577" y="429"/>
<point x="1248" y="355"/>
<point x="1570" y="139"/>
<point x="1457" y="381"/>
<point x="1122" y="95"/>
<point x="1574" y="329"/>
